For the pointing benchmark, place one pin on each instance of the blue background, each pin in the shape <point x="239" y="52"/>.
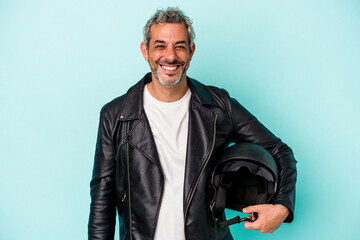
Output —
<point x="294" y="64"/>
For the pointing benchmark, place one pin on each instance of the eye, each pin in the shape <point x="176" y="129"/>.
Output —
<point x="181" y="47"/>
<point x="160" y="46"/>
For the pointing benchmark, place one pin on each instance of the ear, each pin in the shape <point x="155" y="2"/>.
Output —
<point x="192" y="50"/>
<point x="144" y="51"/>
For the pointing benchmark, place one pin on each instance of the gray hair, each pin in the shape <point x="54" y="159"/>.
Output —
<point x="169" y="15"/>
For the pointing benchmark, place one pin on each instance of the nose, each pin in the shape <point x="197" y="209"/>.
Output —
<point x="170" y="54"/>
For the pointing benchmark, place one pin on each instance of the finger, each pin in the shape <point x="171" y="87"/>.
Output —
<point x="247" y="209"/>
<point x="251" y="209"/>
<point x="252" y="217"/>
<point x="250" y="225"/>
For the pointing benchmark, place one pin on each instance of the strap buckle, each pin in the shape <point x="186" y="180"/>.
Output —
<point x="234" y="220"/>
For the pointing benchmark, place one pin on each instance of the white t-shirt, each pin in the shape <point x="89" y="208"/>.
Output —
<point x="169" y="125"/>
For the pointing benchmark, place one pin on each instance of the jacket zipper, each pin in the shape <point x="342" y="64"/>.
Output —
<point x="128" y="173"/>
<point x="124" y="197"/>
<point x="198" y="179"/>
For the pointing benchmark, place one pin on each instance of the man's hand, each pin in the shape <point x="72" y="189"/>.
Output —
<point x="270" y="217"/>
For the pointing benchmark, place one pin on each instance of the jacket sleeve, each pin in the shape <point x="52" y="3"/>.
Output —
<point x="102" y="186"/>
<point x="248" y="129"/>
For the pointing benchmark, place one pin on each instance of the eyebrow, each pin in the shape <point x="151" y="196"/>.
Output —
<point x="178" y="42"/>
<point x="181" y="42"/>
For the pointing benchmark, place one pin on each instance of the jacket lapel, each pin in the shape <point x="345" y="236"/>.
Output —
<point x="140" y="134"/>
<point x="201" y="137"/>
<point x="199" y="148"/>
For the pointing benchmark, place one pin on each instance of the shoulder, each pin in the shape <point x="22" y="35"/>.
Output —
<point x="114" y="106"/>
<point x="128" y="103"/>
<point x="220" y="102"/>
<point x="110" y="113"/>
<point x="212" y="95"/>
<point x="211" y="89"/>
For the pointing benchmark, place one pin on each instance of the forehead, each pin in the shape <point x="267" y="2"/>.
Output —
<point x="168" y="32"/>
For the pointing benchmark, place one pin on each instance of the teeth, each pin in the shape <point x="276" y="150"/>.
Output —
<point x="168" y="67"/>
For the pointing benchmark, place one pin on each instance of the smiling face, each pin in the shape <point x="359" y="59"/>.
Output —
<point x="169" y="53"/>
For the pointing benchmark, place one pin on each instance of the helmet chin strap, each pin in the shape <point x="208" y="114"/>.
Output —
<point x="236" y="219"/>
<point x="218" y="206"/>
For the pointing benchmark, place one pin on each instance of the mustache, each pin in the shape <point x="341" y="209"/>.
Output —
<point x="175" y="62"/>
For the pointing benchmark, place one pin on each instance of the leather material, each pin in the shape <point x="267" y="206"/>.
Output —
<point x="127" y="174"/>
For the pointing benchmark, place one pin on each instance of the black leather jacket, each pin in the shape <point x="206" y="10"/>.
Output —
<point x="127" y="174"/>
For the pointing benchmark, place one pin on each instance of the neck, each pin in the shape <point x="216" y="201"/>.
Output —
<point x="167" y="94"/>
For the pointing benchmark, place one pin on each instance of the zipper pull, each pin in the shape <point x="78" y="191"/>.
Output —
<point x="123" y="199"/>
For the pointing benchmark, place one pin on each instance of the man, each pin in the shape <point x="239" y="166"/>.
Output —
<point x="158" y="144"/>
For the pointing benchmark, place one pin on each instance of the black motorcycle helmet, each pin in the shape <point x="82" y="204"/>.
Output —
<point x="245" y="174"/>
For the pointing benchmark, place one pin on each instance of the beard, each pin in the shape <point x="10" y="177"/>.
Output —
<point x="163" y="82"/>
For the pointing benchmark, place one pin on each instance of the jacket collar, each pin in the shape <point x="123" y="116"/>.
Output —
<point x="133" y="103"/>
